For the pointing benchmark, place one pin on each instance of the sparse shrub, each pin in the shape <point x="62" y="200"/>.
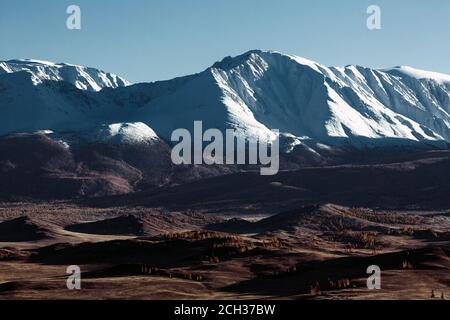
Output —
<point x="407" y="265"/>
<point x="315" y="289"/>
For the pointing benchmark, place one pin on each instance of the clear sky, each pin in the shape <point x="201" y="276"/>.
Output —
<point x="148" y="40"/>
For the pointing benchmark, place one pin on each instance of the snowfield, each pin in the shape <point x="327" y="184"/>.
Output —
<point x="254" y="93"/>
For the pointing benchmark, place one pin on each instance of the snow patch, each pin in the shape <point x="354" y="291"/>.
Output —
<point x="137" y="132"/>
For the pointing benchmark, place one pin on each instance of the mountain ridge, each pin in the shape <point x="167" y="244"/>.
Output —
<point x="84" y="78"/>
<point x="253" y="93"/>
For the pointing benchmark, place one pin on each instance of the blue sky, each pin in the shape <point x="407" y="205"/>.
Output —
<point x="148" y="40"/>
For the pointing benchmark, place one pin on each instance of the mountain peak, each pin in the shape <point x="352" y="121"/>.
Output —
<point x="256" y="54"/>
<point x="230" y="62"/>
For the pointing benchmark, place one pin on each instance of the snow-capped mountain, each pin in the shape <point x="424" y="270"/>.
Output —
<point x="304" y="98"/>
<point x="254" y="93"/>
<point x="83" y="78"/>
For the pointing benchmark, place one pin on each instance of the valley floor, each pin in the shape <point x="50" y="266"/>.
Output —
<point x="316" y="252"/>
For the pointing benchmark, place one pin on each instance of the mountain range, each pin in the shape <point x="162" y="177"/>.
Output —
<point x="254" y="93"/>
<point x="85" y="118"/>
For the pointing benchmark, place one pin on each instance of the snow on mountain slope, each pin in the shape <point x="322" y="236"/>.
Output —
<point x="125" y="132"/>
<point x="405" y="71"/>
<point x="254" y="93"/>
<point x="199" y="98"/>
<point x="26" y="106"/>
<point x="304" y="98"/>
<point x="83" y="78"/>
